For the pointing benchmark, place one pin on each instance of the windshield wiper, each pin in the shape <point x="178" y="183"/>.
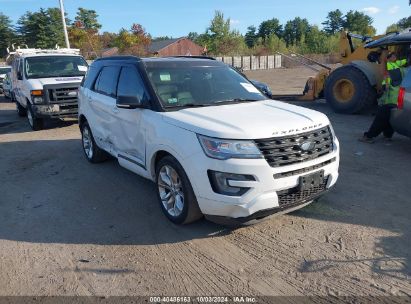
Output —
<point x="190" y="105"/>
<point x="235" y="100"/>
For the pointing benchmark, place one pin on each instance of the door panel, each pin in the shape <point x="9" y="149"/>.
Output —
<point x="102" y="102"/>
<point x="129" y="131"/>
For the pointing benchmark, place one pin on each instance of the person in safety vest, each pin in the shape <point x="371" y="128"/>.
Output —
<point x="388" y="101"/>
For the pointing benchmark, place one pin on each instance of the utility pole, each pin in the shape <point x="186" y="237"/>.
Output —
<point x="63" y="18"/>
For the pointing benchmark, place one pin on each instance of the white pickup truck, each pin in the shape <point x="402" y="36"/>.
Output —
<point x="45" y="83"/>
<point x="213" y="144"/>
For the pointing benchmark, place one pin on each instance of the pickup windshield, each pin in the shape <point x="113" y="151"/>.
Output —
<point x="190" y="85"/>
<point x="55" y="66"/>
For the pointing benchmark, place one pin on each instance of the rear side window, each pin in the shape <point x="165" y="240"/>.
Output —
<point x="107" y="81"/>
<point x="131" y="84"/>
<point x="90" y="78"/>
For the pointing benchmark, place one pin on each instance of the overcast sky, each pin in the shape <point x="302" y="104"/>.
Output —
<point x="177" y="18"/>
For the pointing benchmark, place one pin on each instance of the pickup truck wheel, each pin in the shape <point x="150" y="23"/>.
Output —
<point x="21" y="111"/>
<point x="92" y="152"/>
<point x="176" y="196"/>
<point x="34" y="122"/>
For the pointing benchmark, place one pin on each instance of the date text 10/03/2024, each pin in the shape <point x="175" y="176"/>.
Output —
<point x="200" y="299"/>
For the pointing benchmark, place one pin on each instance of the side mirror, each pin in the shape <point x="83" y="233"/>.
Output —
<point x="129" y="102"/>
<point x="19" y="75"/>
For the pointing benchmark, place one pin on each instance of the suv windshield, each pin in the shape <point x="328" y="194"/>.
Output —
<point x="4" y="70"/>
<point x="55" y="66"/>
<point x="186" y="84"/>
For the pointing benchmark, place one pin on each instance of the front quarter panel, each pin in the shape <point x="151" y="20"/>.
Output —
<point x="162" y="136"/>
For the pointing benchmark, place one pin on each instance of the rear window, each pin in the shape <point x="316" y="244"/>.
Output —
<point x="107" y="81"/>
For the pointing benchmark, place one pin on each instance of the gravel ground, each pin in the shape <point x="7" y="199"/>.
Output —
<point x="68" y="227"/>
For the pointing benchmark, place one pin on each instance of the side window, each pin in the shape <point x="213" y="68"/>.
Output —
<point x="107" y="81"/>
<point x="20" y="67"/>
<point x="90" y="77"/>
<point x="131" y="84"/>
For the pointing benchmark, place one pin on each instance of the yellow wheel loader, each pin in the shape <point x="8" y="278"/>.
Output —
<point x="352" y="87"/>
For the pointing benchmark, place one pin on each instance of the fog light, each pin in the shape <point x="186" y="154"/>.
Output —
<point x="220" y="182"/>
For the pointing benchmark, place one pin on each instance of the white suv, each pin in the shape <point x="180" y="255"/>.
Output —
<point x="213" y="144"/>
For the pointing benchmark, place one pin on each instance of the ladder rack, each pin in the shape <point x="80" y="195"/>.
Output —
<point x="26" y="51"/>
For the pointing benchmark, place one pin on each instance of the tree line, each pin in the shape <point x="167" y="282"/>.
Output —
<point x="44" y="29"/>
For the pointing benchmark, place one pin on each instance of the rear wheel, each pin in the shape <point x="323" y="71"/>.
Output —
<point x="92" y="152"/>
<point x="176" y="196"/>
<point x="348" y="91"/>
<point x="34" y="122"/>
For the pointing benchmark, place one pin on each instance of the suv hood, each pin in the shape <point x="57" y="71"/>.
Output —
<point x="252" y="120"/>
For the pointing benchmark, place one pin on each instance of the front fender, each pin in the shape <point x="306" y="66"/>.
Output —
<point x="372" y="71"/>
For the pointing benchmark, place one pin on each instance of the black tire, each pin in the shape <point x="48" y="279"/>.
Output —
<point x="95" y="154"/>
<point x="21" y="111"/>
<point x="358" y="95"/>
<point x="35" y="123"/>
<point x="190" y="211"/>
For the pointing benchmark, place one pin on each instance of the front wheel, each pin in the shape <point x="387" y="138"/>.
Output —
<point x="348" y="91"/>
<point x="175" y="193"/>
<point x="34" y="122"/>
<point x="21" y="111"/>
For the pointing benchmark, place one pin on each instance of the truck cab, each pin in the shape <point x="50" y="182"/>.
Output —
<point x="45" y="83"/>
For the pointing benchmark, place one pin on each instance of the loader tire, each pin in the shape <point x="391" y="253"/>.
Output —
<point x="348" y="91"/>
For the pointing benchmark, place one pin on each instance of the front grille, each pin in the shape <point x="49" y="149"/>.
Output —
<point x="283" y="151"/>
<point x="63" y="95"/>
<point x="295" y="195"/>
<point x="68" y="107"/>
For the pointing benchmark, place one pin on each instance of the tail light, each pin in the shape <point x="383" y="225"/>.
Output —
<point x="400" y="102"/>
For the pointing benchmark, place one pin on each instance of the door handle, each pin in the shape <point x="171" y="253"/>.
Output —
<point x="115" y="110"/>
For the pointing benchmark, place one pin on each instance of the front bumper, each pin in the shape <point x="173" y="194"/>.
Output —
<point x="62" y="110"/>
<point x="257" y="216"/>
<point x="266" y="194"/>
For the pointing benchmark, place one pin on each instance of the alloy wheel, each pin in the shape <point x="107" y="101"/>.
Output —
<point x="171" y="190"/>
<point x="87" y="143"/>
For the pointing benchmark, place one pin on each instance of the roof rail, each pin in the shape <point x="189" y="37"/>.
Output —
<point x="119" y="57"/>
<point x="193" y="57"/>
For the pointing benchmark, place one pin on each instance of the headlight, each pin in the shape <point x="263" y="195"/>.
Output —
<point x="37" y="96"/>
<point x="226" y="148"/>
<point x="332" y="130"/>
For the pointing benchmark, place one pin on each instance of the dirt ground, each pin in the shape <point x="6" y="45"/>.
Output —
<point x="68" y="227"/>
<point x="283" y="81"/>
